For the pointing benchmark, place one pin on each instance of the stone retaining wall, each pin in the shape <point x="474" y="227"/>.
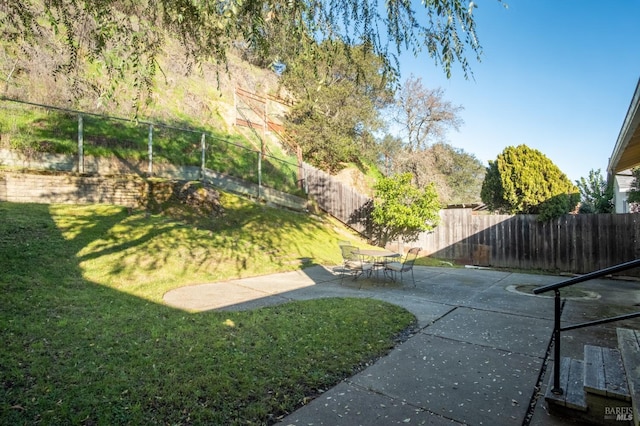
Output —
<point x="113" y="166"/>
<point x="128" y="191"/>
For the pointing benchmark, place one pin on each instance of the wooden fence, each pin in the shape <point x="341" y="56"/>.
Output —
<point x="573" y="243"/>
<point x="340" y="200"/>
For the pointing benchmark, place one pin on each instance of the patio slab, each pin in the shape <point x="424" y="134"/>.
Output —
<point x="508" y="332"/>
<point x="476" y="358"/>
<point x="463" y="382"/>
<point x="351" y="405"/>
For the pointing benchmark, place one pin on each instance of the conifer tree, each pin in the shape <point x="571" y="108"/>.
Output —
<point x="522" y="180"/>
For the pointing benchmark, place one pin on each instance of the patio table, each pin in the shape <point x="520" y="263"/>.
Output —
<point x="379" y="256"/>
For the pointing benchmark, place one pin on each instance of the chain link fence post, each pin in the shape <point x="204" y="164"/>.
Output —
<point x="203" y="146"/>
<point x="259" y="173"/>
<point x="150" y="150"/>
<point x="80" y="144"/>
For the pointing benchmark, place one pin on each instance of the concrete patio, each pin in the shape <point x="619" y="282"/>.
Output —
<point x="479" y="353"/>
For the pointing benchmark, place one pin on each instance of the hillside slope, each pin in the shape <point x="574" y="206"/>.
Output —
<point x="202" y="97"/>
<point x="182" y="92"/>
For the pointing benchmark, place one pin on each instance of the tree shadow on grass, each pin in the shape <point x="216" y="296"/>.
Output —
<point x="248" y="240"/>
<point x="75" y="352"/>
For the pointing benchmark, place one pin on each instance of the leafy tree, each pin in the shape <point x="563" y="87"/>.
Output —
<point x="401" y="210"/>
<point x="124" y="37"/>
<point x="388" y="149"/>
<point x="523" y="180"/>
<point x="339" y="96"/>
<point x="596" y="194"/>
<point x="456" y="174"/>
<point x="424" y="117"/>
<point x="462" y="174"/>
<point x="633" y="196"/>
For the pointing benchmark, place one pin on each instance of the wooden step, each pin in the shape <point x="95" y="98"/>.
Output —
<point x="572" y="384"/>
<point x="604" y="373"/>
<point x="629" y="345"/>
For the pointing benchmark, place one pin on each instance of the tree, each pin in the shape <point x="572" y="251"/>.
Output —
<point x="401" y="210"/>
<point x="423" y="115"/>
<point x="424" y="118"/>
<point x="633" y="196"/>
<point x="457" y="175"/>
<point x="523" y="180"/>
<point x="462" y="173"/>
<point x="388" y="149"/>
<point x="596" y="194"/>
<point x="339" y="95"/>
<point x="124" y="37"/>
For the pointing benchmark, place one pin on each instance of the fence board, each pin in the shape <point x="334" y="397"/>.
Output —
<point x="571" y="243"/>
<point x="338" y="199"/>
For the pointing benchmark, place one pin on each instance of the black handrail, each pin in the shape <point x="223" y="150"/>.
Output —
<point x="557" y="328"/>
<point x="589" y="276"/>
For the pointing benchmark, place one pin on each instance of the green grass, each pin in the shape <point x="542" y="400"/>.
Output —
<point x="28" y="130"/>
<point x="86" y="339"/>
<point x="147" y="255"/>
<point x="432" y="261"/>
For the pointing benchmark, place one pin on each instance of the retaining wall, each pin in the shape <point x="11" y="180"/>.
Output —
<point x="128" y="191"/>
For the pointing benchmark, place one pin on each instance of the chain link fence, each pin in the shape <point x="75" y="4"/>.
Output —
<point x="29" y="131"/>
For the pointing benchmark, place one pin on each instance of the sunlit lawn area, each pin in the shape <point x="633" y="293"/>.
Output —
<point x="87" y="340"/>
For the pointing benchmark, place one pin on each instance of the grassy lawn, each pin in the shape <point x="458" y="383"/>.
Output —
<point x="86" y="339"/>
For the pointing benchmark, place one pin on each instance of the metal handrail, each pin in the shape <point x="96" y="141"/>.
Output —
<point x="589" y="276"/>
<point x="557" y="328"/>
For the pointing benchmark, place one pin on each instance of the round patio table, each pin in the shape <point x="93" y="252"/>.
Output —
<point x="380" y="257"/>
<point x="378" y="253"/>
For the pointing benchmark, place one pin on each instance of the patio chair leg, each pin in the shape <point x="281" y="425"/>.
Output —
<point x="344" y="272"/>
<point x="392" y="275"/>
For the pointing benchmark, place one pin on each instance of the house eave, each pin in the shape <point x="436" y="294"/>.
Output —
<point x="626" y="153"/>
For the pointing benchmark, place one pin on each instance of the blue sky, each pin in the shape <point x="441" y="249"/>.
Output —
<point x="555" y="75"/>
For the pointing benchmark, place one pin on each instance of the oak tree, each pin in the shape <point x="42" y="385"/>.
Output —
<point x="339" y="93"/>
<point x="424" y="115"/>
<point x="461" y="172"/>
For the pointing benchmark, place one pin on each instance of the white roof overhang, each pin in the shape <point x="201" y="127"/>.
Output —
<point x="626" y="153"/>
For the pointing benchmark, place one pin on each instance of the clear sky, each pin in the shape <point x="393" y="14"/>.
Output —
<point x="555" y="75"/>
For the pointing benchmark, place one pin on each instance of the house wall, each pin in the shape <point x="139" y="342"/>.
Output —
<point x="620" y="199"/>
<point x="621" y="186"/>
